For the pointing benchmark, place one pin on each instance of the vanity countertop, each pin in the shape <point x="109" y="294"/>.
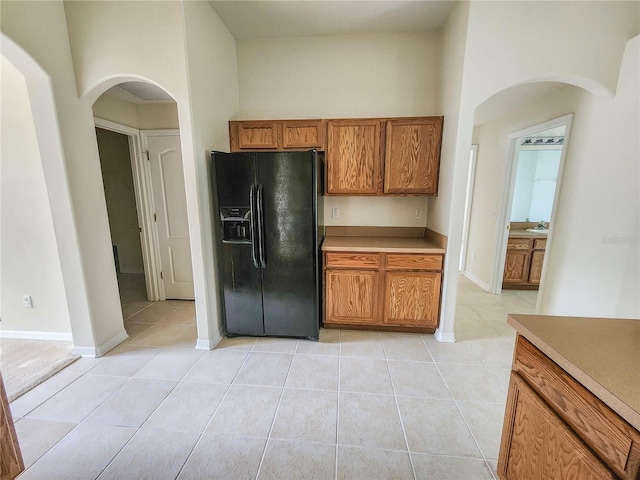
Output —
<point x="525" y="234"/>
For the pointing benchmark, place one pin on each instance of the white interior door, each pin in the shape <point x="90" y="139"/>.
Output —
<point x="167" y="180"/>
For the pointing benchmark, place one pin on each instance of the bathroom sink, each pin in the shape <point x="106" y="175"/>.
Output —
<point x="543" y="231"/>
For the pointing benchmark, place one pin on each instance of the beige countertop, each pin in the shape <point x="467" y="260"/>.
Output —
<point x="525" y="234"/>
<point x="335" y="243"/>
<point x="603" y="354"/>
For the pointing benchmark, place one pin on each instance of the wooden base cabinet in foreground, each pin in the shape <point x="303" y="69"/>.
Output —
<point x="382" y="290"/>
<point x="554" y="428"/>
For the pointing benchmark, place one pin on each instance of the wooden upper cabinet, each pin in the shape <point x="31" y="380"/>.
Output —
<point x="253" y="135"/>
<point x="412" y="157"/>
<point x="354" y="161"/>
<point x="248" y="135"/>
<point x="300" y="134"/>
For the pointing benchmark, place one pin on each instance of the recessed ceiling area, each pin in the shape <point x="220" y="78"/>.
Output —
<point x="140" y="92"/>
<point x="508" y="100"/>
<point x="260" y="19"/>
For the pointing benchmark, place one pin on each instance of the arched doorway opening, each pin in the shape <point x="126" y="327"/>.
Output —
<point x="499" y="123"/>
<point x="138" y="139"/>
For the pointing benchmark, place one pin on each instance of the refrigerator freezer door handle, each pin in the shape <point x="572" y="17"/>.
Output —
<point x="254" y="238"/>
<point x="261" y="232"/>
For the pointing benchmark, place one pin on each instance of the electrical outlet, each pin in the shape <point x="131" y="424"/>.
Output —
<point x="418" y="214"/>
<point x="26" y="301"/>
<point x="335" y="213"/>
<point x="473" y="255"/>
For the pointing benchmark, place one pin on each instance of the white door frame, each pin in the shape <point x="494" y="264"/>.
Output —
<point x="502" y="236"/>
<point x="471" y="180"/>
<point x="144" y="205"/>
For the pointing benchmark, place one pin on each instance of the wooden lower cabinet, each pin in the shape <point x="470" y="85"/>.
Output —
<point x="351" y="296"/>
<point x="540" y="445"/>
<point x="382" y="290"/>
<point x="412" y="299"/>
<point x="523" y="263"/>
<point x="554" y="428"/>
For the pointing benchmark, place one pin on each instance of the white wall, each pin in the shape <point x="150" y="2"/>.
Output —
<point x="145" y="116"/>
<point x="339" y="76"/>
<point x="594" y="264"/>
<point x="344" y="76"/>
<point x="493" y="157"/>
<point x="213" y="86"/>
<point x="454" y="144"/>
<point x="117" y="41"/>
<point x="28" y="251"/>
<point x="581" y="43"/>
<point x="39" y="40"/>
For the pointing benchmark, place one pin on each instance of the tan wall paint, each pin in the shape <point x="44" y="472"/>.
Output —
<point x="366" y="75"/>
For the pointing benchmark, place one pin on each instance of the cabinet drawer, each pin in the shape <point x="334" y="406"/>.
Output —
<point x="540" y="244"/>
<point x="413" y="262"/>
<point x="613" y="440"/>
<point x="519" y="243"/>
<point x="352" y="260"/>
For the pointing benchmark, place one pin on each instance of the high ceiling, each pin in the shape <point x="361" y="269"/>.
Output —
<point x="277" y="18"/>
<point x="259" y="19"/>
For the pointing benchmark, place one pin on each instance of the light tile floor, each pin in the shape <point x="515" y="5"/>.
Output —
<point x="354" y="405"/>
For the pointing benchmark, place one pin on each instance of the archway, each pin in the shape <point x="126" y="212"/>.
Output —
<point x="138" y="137"/>
<point x="464" y="139"/>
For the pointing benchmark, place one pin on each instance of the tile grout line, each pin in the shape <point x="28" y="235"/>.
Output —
<point x="455" y="401"/>
<point x="395" y="398"/>
<point x="204" y="429"/>
<point x="273" y="422"/>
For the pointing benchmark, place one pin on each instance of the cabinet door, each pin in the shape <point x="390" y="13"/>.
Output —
<point x="354" y="162"/>
<point x="351" y="296"/>
<point x="516" y="266"/>
<point x="302" y="134"/>
<point x="253" y="135"/>
<point x="412" y="298"/>
<point x="412" y="160"/>
<point x="536" y="444"/>
<point x="537" y="258"/>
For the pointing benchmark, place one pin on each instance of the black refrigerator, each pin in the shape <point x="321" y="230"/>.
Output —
<point x="269" y="218"/>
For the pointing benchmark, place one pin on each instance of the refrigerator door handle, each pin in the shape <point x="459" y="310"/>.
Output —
<point x="254" y="239"/>
<point x="261" y="232"/>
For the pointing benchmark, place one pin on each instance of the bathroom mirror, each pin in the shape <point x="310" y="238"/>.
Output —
<point x="536" y="176"/>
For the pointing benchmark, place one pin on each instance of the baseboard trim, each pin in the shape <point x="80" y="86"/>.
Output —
<point x="445" y="337"/>
<point x="209" y="344"/>
<point x="204" y="344"/>
<point x="100" y="350"/>
<point x="483" y="285"/>
<point x="44" y="336"/>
